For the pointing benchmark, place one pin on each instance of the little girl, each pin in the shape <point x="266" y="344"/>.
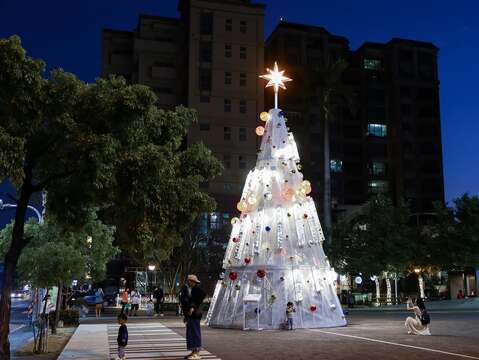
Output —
<point x="290" y="309"/>
<point x="149" y="307"/>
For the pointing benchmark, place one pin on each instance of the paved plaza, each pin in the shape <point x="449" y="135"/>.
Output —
<point x="369" y="335"/>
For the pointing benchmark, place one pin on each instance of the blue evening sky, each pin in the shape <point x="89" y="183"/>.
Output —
<point x="67" y="34"/>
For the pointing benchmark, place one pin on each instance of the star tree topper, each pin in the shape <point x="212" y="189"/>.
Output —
<point x="276" y="79"/>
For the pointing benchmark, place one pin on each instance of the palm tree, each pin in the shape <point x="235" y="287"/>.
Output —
<point x="333" y="95"/>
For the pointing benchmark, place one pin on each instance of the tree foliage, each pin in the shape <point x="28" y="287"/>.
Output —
<point x="373" y="240"/>
<point x="56" y="254"/>
<point x="103" y="145"/>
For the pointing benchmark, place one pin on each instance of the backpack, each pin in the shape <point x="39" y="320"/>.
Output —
<point x="425" y="318"/>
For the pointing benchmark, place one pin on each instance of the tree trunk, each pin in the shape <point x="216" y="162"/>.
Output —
<point x="327" y="183"/>
<point x="58" y="308"/>
<point x="10" y="263"/>
<point x="378" y="291"/>
<point x="388" y="291"/>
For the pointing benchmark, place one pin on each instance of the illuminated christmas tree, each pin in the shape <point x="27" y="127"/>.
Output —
<point x="275" y="253"/>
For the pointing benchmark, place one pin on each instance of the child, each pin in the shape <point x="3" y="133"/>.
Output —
<point x="290" y="309"/>
<point x="149" y="307"/>
<point x="122" y="338"/>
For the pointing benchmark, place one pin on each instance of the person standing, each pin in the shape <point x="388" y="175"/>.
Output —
<point x="418" y="325"/>
<point x="460" y="295"/>
<point x="122" y="338"/>
<point x="124" y="300"/>
<point x="158" y="297"/>
<point x="98" y="302"/>
<point x="135" y="300"/>
<point x="290" y="310"/>
<point x="191" y="298"/>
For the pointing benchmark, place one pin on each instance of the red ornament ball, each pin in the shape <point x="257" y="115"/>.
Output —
<point x="235" y="239"/>
<point x="305" y="216"/>
<point x="233" y="275"/>
<point x="313" y="307"/>
<point x="261" y="273"/>
<point x="247" y="259"/>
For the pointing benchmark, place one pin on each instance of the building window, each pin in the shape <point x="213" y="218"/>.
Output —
<point x="229" y="25"/>
<point x="204" y="126"/>
<point x="206" y="51"/>
<point x="242" y="107"/>
<point x="242" y="79"/>
<point x="372" y="64"/>
<point x="336" y="166"/>
<point x="378" y="130"/>
<point x="228" y="77"/>
<point x="242" y="52"/>
<point x="206" y="23"/>
<point x="227" y="161"/>
<point x="204" y="99"/>
<point x="242" y="134"/>
<point x="243" y="27"/>
<point x="205" y="79"/>
<point x="241" y="162"/>
<point x="228" y="51"/>
<point x="377" y="168"/>
<point x="227" y="105"/>
<point x="378" y="186"/>
<point x="227" y="133"/>
<point x="228" y="187"/>
<point x="163" y="90"/>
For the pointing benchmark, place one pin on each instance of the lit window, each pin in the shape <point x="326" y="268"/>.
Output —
<point x="377" y="168"/>
<point x="336" y="166"/>
<point x="378" y="130"/>
<point x="378" y="186"/>
<point x="227" y="133"/>
<point x="228" y="50"/>
<point x="372" y="64"/>
<point x="228" y="77"/>
<point x="242" y="106"/>
<point x="204" y="126"/>
<point x="241" y="162"/>
<point x="242" y="134"/>
<point x="227" y="105"/>
<point x="242" y="52"/>
<point x="242" y="79"/>
<point x="229" y="25"/>
<point x="243" y="27"/>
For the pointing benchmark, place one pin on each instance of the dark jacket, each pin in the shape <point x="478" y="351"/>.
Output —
<point x="158" y="295"/>
<point x="122" y="338"/>
<point x="193" y="300"/>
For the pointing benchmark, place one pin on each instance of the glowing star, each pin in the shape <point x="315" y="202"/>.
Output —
<point x="276" y="79"/>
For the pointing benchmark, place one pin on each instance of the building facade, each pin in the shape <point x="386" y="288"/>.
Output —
<point x="208" y="59"/>
<point x="391" y="142"/>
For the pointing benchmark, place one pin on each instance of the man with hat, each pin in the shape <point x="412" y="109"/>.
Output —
<point x="191" y="298"/>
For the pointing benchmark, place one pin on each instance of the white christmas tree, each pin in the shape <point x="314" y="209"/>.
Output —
<point x="275" y="253"/>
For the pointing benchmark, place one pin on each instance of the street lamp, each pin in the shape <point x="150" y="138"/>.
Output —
<point x="151" y="267"/>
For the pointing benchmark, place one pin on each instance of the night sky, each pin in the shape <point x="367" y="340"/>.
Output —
<point x="67" y="34"/>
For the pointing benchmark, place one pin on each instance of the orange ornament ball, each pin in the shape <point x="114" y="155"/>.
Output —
<point x="260" y="131"/>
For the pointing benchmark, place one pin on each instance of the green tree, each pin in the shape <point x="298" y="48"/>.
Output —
<point x="451" y="242"/>
<point x="334" y="96"/>
<point x="374" y="239"/>
<point x="103" y="145"/>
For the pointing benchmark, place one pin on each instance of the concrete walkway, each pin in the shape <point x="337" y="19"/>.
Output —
<point x="89" y="342"/>
<point x="146" y="340"/>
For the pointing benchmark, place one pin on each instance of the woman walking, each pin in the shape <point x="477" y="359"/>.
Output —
<point x="98" y="302"/>
<point x="418" y="325"/>
<point x="191" y="298"/>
